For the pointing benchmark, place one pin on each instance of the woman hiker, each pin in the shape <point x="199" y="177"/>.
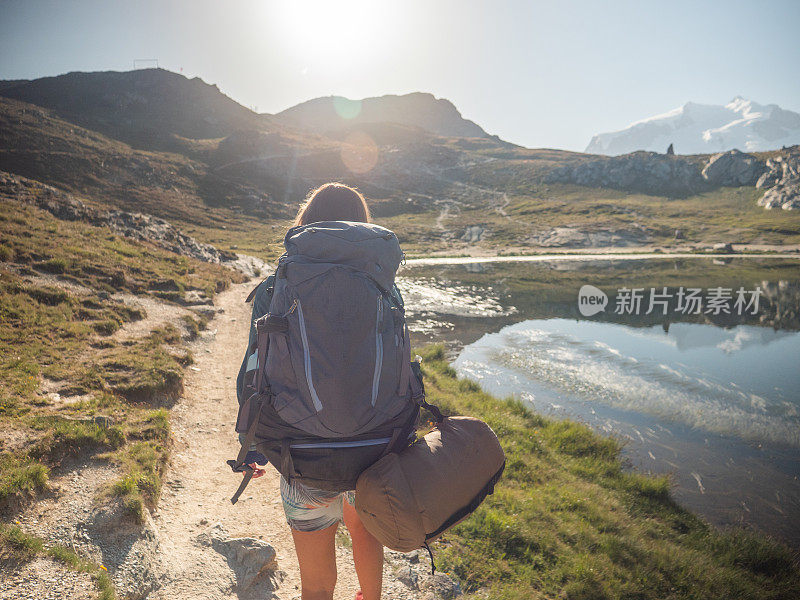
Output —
<point x="312" y="514"/>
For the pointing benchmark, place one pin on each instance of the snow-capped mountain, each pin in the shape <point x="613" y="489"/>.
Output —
<point x="706" y="128"/>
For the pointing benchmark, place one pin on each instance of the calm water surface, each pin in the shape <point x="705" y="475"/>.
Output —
<point x="712" y="399"/>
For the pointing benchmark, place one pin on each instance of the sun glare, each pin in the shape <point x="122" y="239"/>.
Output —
<point x="331" y="34"/>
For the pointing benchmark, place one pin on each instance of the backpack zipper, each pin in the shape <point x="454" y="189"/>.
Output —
<point x="307" y="357"/>
<point x="376" y="376"/>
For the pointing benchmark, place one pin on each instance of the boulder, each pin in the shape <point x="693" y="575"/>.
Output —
<point x="473" y="234"/>
<point x="768" y="178"/>
<point x="733" y="168"/>
<point x="783" y="180"/>
<point x="248" y="558"/>
<point x="723" y="248"/>
<point x="443" y="586"/>
<point x="408" y="577"/>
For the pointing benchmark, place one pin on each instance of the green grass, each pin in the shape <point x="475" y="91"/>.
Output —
<point x="17" y="547"/>
<point x="143" y="461"/>
<point x="60" y="335"/>
<point x="63" y="437"/>
<point x="567" y="521"/>
<point x="21" y="477"/>
<point x="149" y="370"/>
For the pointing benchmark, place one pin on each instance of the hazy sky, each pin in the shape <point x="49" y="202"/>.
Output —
<point x="541" y="74"/>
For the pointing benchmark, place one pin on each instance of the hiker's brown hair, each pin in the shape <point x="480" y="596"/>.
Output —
<point x="333" y="202"/>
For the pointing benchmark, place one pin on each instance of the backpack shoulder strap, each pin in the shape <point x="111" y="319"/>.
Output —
<point x="270" y="286"/>
<point x="396" y="296"/>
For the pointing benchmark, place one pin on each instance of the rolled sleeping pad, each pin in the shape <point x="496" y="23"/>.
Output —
<point x="408" y="499"/>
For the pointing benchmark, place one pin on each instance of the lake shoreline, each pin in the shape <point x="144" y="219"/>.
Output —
<point x="567" y="509"/>
<point x="585" y="256"/>
<point x="480" y="252"/>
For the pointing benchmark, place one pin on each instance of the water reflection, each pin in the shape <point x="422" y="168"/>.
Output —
<point x="710" y="398"/>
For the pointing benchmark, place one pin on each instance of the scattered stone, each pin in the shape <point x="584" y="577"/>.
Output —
<point x="679" y="234"/>
<point x="137" y="226"/>
<point x="250" y="265"/>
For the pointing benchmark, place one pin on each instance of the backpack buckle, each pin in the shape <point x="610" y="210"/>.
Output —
<point x="270" y="323"/>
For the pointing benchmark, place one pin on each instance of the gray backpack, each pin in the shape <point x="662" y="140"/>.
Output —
<point x="328" y="386"/>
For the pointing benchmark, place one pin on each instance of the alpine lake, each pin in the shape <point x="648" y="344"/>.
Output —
<point x="693" y="362"/>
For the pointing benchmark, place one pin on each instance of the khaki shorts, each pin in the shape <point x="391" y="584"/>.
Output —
<point x="310" y="509"/>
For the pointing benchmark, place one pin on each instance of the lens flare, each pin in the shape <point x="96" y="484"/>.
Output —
<point x="359" y="153"/>
<point x="346" y="108"/>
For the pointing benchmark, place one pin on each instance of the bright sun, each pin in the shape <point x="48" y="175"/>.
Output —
<point x="342" y="33"/>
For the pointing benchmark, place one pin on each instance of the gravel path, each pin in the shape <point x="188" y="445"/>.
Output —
<point x="198" y="486"/>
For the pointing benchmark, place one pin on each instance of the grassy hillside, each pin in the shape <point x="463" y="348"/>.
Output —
<point x="568" y="521"/>
<point x="70" y="385"/>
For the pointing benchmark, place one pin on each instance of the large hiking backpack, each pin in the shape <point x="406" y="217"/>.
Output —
<point x="328" y="388"/>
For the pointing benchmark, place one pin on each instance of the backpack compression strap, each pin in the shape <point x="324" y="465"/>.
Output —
<point x="418" y="391"/>
<point x="266" y="324"/>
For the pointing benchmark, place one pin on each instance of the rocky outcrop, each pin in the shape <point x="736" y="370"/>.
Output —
<point x="782" y="177"/>
<point x="647" y="172"/>
<point x="598" y="237"/>
<point x="665" y="174"/>
<point x="733" y="168"/>
<point x="137" y="226"/>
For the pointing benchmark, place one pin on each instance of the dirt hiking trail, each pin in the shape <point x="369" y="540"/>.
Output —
<point x="199" y="553"/>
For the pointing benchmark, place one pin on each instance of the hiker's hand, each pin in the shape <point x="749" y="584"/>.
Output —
<point x="257" y="471"/>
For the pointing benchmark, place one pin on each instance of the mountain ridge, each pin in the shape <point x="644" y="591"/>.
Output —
<point x="417" y="109"/>
<point x="138" y="107"/>
<point x="144" y="106"/>
<point x="696" y="128"/>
